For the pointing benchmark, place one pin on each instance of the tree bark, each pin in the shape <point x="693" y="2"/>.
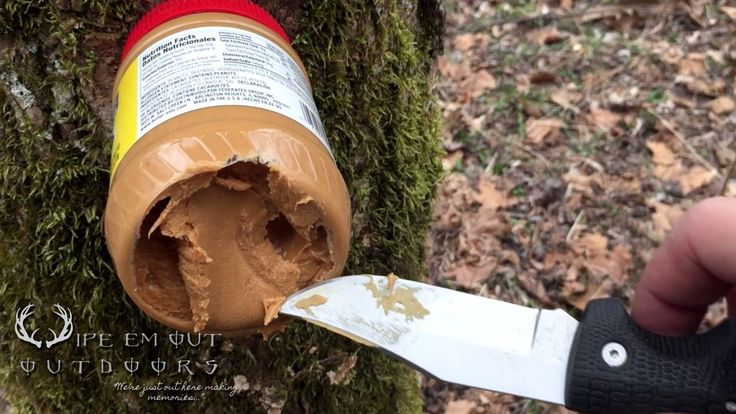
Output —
<point x="370" y="65"/>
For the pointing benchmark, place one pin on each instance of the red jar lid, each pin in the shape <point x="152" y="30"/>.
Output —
<point x="171" y="9"/>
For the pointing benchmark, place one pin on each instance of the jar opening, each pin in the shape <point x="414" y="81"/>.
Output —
<point x="243" y="231"/>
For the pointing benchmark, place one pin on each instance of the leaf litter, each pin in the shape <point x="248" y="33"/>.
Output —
<point x="576" y="135"/>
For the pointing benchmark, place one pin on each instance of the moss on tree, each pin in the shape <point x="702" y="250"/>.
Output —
<point x="369" y="63"/>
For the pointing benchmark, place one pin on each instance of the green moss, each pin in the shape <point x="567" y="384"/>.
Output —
<point x="369" y="64"/>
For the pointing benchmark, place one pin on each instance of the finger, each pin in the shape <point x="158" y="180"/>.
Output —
<point x="695" y="266"/>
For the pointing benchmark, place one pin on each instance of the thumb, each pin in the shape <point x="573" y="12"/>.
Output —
<point x="694" y="267"/>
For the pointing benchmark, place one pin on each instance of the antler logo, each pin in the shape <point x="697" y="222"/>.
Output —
<point x="22" y="333"/>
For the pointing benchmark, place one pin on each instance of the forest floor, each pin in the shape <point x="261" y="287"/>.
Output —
<point x="576" y="133"/>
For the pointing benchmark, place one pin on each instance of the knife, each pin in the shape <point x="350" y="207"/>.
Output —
<point x="605" y="363"/>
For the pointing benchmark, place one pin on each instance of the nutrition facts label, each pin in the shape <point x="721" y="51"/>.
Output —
<point x="213" y="66"/>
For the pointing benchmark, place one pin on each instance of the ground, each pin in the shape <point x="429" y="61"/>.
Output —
<point x="576" y="132"/>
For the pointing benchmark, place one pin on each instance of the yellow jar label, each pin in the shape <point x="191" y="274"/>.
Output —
<point x="125" y="129"/>
<point x="205" y="67"/>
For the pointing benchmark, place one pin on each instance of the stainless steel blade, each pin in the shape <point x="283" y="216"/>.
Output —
<point x="454" y="336"/>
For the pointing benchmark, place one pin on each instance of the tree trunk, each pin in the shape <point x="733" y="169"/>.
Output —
<point x="369" y="63"/>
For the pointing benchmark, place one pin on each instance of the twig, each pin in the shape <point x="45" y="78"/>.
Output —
<point x="728" y="176"/>
<point x="689" y="146"/>
<point x="491" y="164"/>
<point x="594" y="164"/>
<point x="534" y="153"/>
<point x="575" y="225"/>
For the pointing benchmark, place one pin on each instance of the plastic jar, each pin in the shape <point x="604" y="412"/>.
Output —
<point x="224" y="194"/>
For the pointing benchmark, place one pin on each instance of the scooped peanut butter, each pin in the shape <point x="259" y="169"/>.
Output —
<point x="240" y="235"/>
<point x="399" y="299"/>
<point x="307" y="303"/>
<point x="272" y="307"/>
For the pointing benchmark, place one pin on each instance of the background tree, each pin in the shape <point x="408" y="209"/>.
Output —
<point x="370" y="66"/>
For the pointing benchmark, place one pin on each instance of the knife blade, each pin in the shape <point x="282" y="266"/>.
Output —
<point x="603" y="364"/>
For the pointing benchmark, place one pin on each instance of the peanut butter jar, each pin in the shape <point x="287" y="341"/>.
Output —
<point x="224" y="194"/>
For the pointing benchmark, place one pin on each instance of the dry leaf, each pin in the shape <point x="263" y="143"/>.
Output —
<point x="470" y="276"/>
<point x="591" y="244"/>
<point x="671" y="54"/>
<point x="553" y="259"/>
<point x="683" y="102"/>
<point x="729" y="11"/>
<point x="722" y="105"/>
<point x="717" y="56"/>
<point x="668" y="167"/>
<point x="479" y="82"/>
<point x="693" y="65"/>
<point x="460" y="407"/>
<point x="339" y="376"/>
<point x="604" y="119"/>
<point x="624" y="24"/>
<point x="482" y="40"/>
<point x="606" y="269"/>
<point x="474" y="123"/>
<point x="539" y="129"/>
<point x="703" y="87"/>
<point x="452" y="70"/>
<point x="663" y="218"/>
<point x="695" y="178"/>
<point x="573" y="286"/>
<point x="594" y="255"/>
<point x="450" y="159"/>
<point x="661" y="154"/>
<point x="582" y="183"/>
<point x="534" y="286"/>
<point x="724" y="154"/>
<point x="489" y="196"/>
<point x="488" y="222"/>
<point x="621" y="262"/>
<point x="464" y="42"/>
<point x="631" y="185"/>
<point x="594" y="290"/>
<point x="510" y="257"/>
<point x="545" y="36"/>
<point x="565" y="98"/>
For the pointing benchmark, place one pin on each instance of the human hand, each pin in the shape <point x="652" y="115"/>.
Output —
<point x="694" y="267"/>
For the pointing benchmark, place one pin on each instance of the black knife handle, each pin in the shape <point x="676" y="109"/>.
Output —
<point x="688" y="374"/>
